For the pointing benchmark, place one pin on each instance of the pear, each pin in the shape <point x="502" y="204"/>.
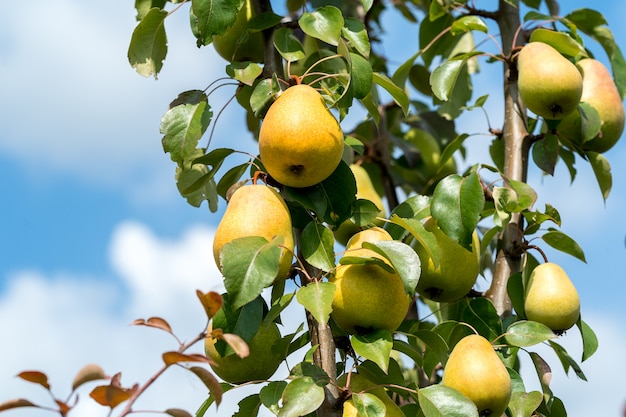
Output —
<point x="364" y="190"/>
<point x="600" y="91"/>
<point x="549" y="84"/>
<point x="300" y="141"/>
<point x="256" y="210"/>
<point x="475" y="370"/>
<point x="368" y="297"/>
<point x="236" y="44"/>
<point x="551" y="298"/>
<point x="457" y="271"/>
<point x="359" y="383"/>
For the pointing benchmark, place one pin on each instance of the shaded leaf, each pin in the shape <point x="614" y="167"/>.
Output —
<point x="249" y="406"/>
<point x="211" y="301"/>
<point x="237" y="344"/>
<point x="177" y="412"/>
<point x="36" y="377"/>
<point x="590" y="340"/>
<point x="90" y="372"/>
<point x="16" y="403"/>
<point x="156" y="322"/>
<point x="289" y="47"/>
<point x="172" y="357"/>
<point x="403" y="258"/>
<point x="209" y="380"/>
<point x="271" y="394"/>
<point x="361" y="76"/>
<point x="544" y="373"/>
<point x="148" y="43"/>
<point x="440" y="400"/>
<point x="213" y="17"/>
<point x="375" y="346"/>
<point x="301" y="397"/>
<point x="560" y="241"/>
<point x="602" y="170"/>
<point x="528" y="333"/>
<point x="397" y="93"/>
<point x="546" y="153"/>
<point x="316" y="243"/>
<point x="111" y="395"/>
<point x="567" y="361"/>
<point x="317" y="298"/>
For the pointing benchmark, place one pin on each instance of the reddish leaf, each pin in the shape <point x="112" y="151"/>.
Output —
<point x="90" y="372"/>
<point x="177" y="412"/>
<point x="156" y="322"/>
<point x="35" y="377"/>
<point x="171" y="358"/>
<point x="16" y="403"/>
<point x="64" y="408"/>
<point x="211" y="301"/>
<point x="214" y="386"/>
<point x="237" y="343"/>
<point x="112" y="395"/>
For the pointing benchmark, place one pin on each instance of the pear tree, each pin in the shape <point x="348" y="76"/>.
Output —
<point x="359" y="203"/>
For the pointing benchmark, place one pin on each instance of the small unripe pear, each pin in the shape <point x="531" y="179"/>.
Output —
<point x="551" y="298"/>
<point x="600" y="91"/>
<point x="229" y="47"/>
<point x="256" y="210"/>
<point x="549" y="85"/>
<point x="300" y="141"/>
<point x="475" y="369"/>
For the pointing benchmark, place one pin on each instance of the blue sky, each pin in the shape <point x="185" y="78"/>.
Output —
<point x="93" y="233"/>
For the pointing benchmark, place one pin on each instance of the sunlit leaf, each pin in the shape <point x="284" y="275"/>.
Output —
<point x="271" y="395"/>
<point x="397" y="93"/>
<point x="444" y="77"/>
<point x="90" y="372"/>
<point x="590" y="340"/>
<point x="211" y="301"/>
<point x="560" y="241"/>
<point x="210" y="381"/>
<point x="375" y="346"/>
<point x="361" y="76"/>
<point x="524" y="404"/>
<point x="602" y="170"/>
<point x="156" y="322"/>
<point x="468" y="23"/>
<point x="317" y="298"/>
<point x="567" y="361"/>
<point x="246" y="72"/>
<point x="544" y="373"/>
<point x="545" y="153"/>
<point x="355" y="33"/>
<point x="249" y="406"/>
<point x="172" y="357"/>
<point x="36" y="377"/>
<point x="237" y="344"/>
<point x="440" y="400"/>
<point x="325" y="24"/>
<point x="213" y="17"/>
<point x="301" y="397"/>
<point x="368" y="405"/>
<point x="113" y="394"/>
<point x="403" y="258"/>
<point x="148" y="44"/>
<point x="528" y="333"/>
<point x="177" y="412"/>
<point x="560" y="41"/>
<point x="16" y="403"/>
<point x="316" y="243"/>
<point x="289" y="47"/>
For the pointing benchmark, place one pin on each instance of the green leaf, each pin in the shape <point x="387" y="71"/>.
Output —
<point x="403" y="258"/>
<point x="435" y="343"/>
<point x="546" y="153"/>
<point x="215" y="158"/>
<point x="368" y="405"/>
<point x="301" y="397"/>
<point x="316" y="243"/>
<point x="482" y="316"/>
<point x="249" y="406"/>
<point x="231" y="177"/>
<point x="440" y="400"/>
<point x="528" y="333"/>
<point x="566" y="360"/>
<point x="375" y="346"/>
<point x="249" y="265"/>
<point x="468" y="23"/>
<point x="148" y="44"/>
<point x="263" y="95"/>
<point x="560" y="241"/>
<point x="245" y="72"/>
<point x="544" y="373"/>
<point x="355" y="33"/>
<point x="560" y="41"/>
<point x="523" y="404"/>
<point x="526" y="195"/>
<point x="361" y="76"/>
<point x="456" y="205"/>
<point x="317" y="298"/>
<point x="397" y="93"/>
<point x="444" y="77"/>
<point x="196" y="184"/>
<point x="590" y="340"/>
<point x="324" y="24"/>
<point x="515" y="289"/>
<point x="602" y="170"/>
<point x="271" y="394"/>
<point x="288" y="45"/>
<point x="364" y="212"/>
<point x="214" y="17"/>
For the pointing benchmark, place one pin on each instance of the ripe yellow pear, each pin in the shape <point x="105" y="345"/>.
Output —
<point x="364" y="190"/>
<point x="457" y="271"/>
<point x="551" y="298"/>
<point x="600" y="91"/>
<point x="475" y="369"/>
<point x="229" y="47"/>
<point x="354" y="246"/>
<point x="359" y="383"/>
<point x="256" y="210"/>
<point x="549" y="84"/>
<point x="260" y="364"/>
<point x="300" y="141"/>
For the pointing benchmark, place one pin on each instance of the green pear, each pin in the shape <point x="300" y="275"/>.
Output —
<point x="358" y="383"/>
<point x="600" y="91"/>
<point x="551" y="298"/>
<point x="300" y="141"/>
<point x="364" y="190"/>
<point x="256" y="210"/>
<point x="457" y="271"/>
<point x="475" y="370"/>
<point x="549" y="85"/>
<point x="236" y="44"/>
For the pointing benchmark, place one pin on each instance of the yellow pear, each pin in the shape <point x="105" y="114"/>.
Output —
<point x="300" y="141"/>
<point x="367" y="297"/>
<point x="457" y="271"/>
<point x="600" y="91"/>
<point x="364" y="190"/>
<point x="359" y="383"/>
<point x="475" y="369"/>
<point x="549" y="84"/>
<point x="354" y="246"/>
<point x="256" y="210"/>
<point x="259" y="365"/>
<point x="232" y="46"/>
<point x="551" y="298"/>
